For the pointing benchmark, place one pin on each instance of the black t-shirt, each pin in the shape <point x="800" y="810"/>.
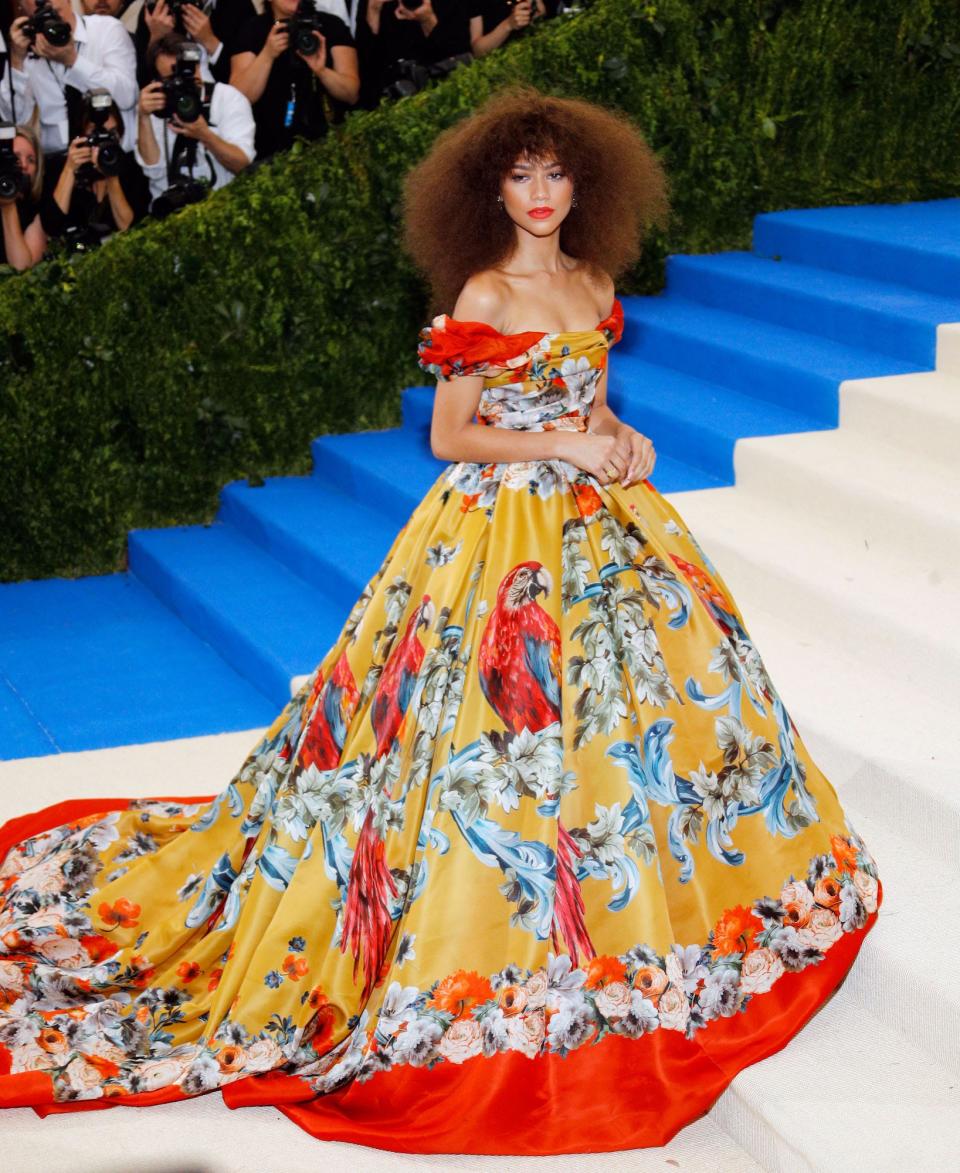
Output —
<point x="496" y="11"/>
<point x="400" y="40"/>
<point x="84" y="207"/>
<point x="26" y="210"/>
<point x="291" y="81"/>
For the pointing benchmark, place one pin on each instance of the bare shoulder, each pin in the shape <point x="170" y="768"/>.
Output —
<point x="483" y="298"/>
<point x="601" y="285"/>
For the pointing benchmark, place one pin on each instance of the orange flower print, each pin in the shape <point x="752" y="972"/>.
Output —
<point x="188" y="971"/>
<point x="603" y="970"/>
<point x="651" y="981"/>
<point x="844" y="853"/>
<point x="122" y="913"/>
<point x="98" y="948"/>
<point x="215" y="976"/>
<point x="826" y="892"/>
<point x="460" y="991"/>
<point x="230" y="1058"/>
<point x="295" y="967"/>
<point x="587" y="498"/>
<point x="734" y="931"/>
<point x="107" y="1068"/>
<point x="512" y="1000"/>
<point x="316" y="998"/>
<point x="52" y="1040"/>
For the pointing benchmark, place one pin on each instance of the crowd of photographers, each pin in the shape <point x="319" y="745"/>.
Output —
<point x="113" y="109"/>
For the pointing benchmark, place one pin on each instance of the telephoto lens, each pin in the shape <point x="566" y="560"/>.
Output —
<point x="184" y="101"/>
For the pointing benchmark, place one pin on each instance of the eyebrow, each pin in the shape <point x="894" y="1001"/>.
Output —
<point x="529" y="166"/>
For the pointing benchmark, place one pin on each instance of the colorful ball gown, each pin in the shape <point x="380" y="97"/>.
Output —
<point x="535" y="862"/>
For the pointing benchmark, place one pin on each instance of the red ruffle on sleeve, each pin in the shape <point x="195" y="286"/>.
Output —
<point x="449" y="348"/>
<point x="613" y="322"/>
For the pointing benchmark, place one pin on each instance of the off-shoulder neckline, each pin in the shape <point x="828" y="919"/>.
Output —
<point x="598" y="329"/>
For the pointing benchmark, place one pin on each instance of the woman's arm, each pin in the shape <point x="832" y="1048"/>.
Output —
<point x="249" y="72"/>
<point x="342" y="79"/>
<point x="18" y="251"/>
<point x="119" y="205"/>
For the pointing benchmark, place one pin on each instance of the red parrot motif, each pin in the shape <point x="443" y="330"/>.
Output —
<point x="519" y="657"/>
<point x="336" y="702"/>
<point x="367" y="924"/>
<point x="398" y="679"/>
<point x="719" y="606"/>
<point x="519" y="665"/>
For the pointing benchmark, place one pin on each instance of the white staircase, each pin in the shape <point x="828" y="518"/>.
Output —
<point x="842" y="549"/>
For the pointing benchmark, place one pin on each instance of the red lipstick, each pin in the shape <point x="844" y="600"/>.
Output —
<point x="540" y="213"/>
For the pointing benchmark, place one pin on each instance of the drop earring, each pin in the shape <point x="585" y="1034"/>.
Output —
<point x="500" y="200"/>
<point x="573" y="202"/>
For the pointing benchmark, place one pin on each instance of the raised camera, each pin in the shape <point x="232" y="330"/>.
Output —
<point x="45" y="20"/>
<point x="13" y="179"/>
<point x="184" y="100"/>
<point x="107" y="142"/>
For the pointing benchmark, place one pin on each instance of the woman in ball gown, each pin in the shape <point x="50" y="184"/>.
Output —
<point x="536" y="860"/>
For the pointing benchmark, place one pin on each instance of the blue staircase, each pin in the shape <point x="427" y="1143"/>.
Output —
<point x="205" y="631"/>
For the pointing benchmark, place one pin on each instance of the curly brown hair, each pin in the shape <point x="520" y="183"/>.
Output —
<point x="454" y="226"/>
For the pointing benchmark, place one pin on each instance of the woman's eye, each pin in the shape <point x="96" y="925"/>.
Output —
<point x="557" y="175"/>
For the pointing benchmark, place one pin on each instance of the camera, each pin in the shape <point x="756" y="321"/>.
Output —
<point x="407" y="76"/>
<point x="178" y="195"/>
<point x="176" y="11"/>
<point x="303" y="27"/>
<point x="184" y="100"/>
<point x="110" y="153"/>
<point x="46" y="21"/>
<point x="13" y="179"/>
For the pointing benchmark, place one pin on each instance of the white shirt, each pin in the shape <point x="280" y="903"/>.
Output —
<point x="105" y="58"/>
<point x="231" y="118"/>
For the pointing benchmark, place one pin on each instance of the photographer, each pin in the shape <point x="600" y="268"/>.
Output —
<point x="391" y="32"/>
<point x="100" y="189"/>
<point x="200" y="152"/>
<point x="56" y="56"/>
<point x="494" y="21"/>
<point x="287" y="81"/>
<point x="21" y="181"/>
<point x="213" y="24"/>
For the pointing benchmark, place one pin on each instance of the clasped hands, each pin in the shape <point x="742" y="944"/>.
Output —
<point x="627" y="457"/>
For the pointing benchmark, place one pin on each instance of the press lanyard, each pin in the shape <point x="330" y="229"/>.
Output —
<point x="291" y="107"/>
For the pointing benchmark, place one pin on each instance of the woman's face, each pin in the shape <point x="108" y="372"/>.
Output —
<point x="533" y="184"/>
<point x="26" y="155"/>
<point x="283" y="8"/>
<point x="110" y="124"/>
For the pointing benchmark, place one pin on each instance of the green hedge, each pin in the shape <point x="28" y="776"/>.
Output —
<point x="138" y="380"/>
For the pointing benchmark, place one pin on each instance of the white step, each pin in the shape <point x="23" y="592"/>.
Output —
<point x="829" y="582"/>
<point x="907" y="967"/>
<point x="920" y="412"/>
<point x="875" y="491"/>
<point x="846" y="1093"/>
<point x="948" y="348"/>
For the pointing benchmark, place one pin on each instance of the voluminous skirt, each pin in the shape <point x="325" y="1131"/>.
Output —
<point x="538" y="834"/>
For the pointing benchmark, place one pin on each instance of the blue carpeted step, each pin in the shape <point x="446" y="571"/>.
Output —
<point x="326" y="537"/>
<point x="349" y="463"/>
<point x="857" y="311"/>
<point x="915" y="244"/>
<point x="693" y="420"/>
<point x="417" y="406"/>
<point x="21" y="734"/>
<point x="389" y="471"/>
<point x="100" y="661"/>
<point x="791" y="367"/>
<point x="263" y="619"/>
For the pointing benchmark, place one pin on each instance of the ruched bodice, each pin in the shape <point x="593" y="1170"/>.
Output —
<point x="532" y="381"/>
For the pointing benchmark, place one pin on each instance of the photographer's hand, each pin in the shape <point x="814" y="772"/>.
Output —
<point x="78" y="153"/>
<point x="19" y="43"/>
<point x="152" y="101"/>
<point x="278" y="40"/>
<point x="229" y="155"/>
<point x="519" y="15"/>
<point x="160" y="21"/>
<point x="317" y="60"/>
<point x="65" y="54"/>
<point x="198" y="26"/>
<point x="341" y="80"/>
<point x="199" y="129"/>
<point x="424" y="16"/>
<point x="119" y="204"/>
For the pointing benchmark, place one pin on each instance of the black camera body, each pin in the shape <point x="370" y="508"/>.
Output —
<point x="178" y="195"/>
<point x="13" y="179"/>
<point x="46" y="21"/>
<point x="303" y="28"/>
<point x="110" y="152"/>
<point x="184" y="100"/>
